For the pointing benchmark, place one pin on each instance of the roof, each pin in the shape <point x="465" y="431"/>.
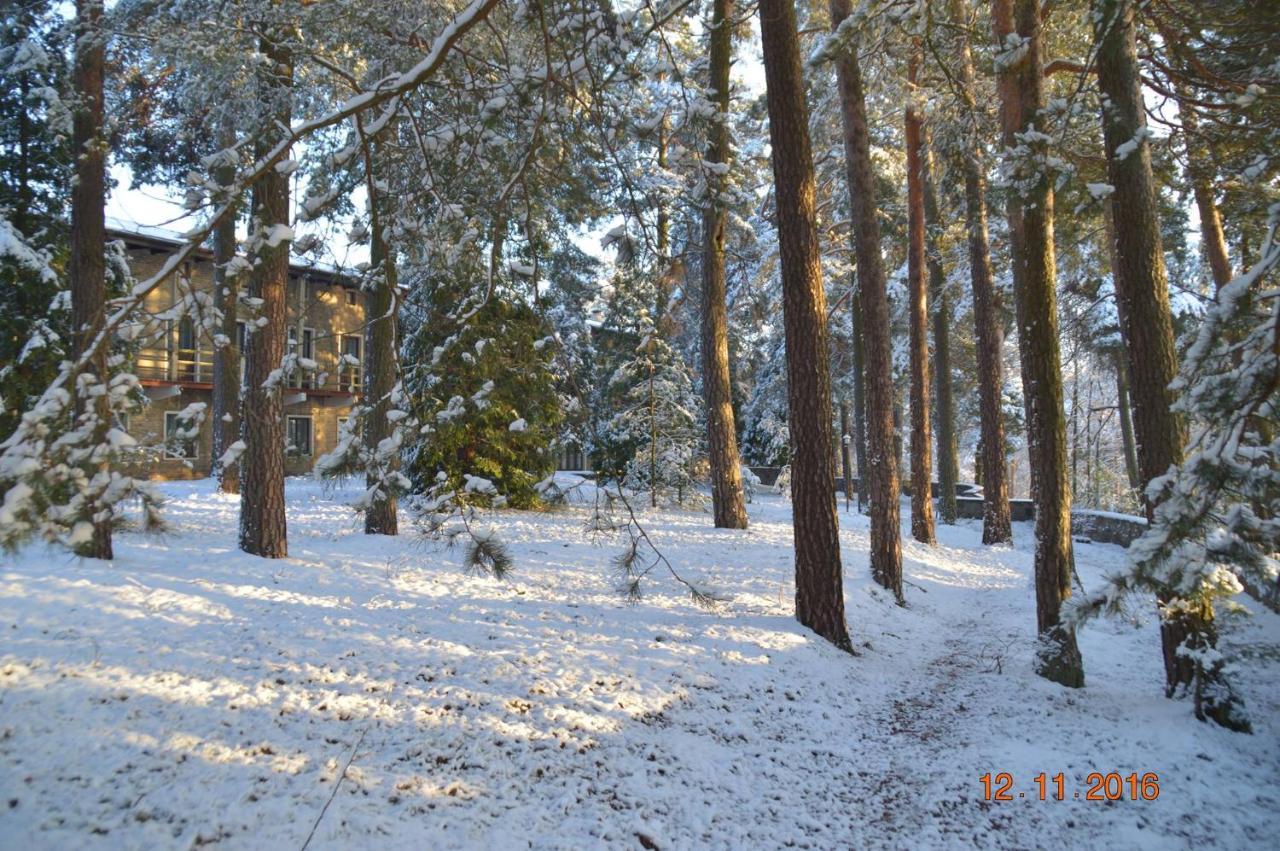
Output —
<point x="163" y="239"/>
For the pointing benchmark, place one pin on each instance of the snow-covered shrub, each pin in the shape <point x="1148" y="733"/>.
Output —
<point x="485" y="402"/>
<point x="750" y="483"/>
<point x="1217" y="515"/>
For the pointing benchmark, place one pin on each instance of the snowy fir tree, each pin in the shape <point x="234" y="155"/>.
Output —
<point x="1215" y="529"/>
<point x="651" y="439"/>
<point x="486" y="404"/>
<point x="34" y="125"/>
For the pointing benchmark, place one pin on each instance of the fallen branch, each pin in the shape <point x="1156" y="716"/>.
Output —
<point x="343" y="776"/>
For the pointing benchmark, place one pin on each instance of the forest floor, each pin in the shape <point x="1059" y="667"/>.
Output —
<point x="190" y="695"/>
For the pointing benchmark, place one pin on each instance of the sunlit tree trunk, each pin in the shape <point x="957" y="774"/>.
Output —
<point x="918" y="314"/>
<point x="728" y="504"/>
<point x="988" y="324"/>
<point x="262" y="509"/>
<point x="1201" y="171"/>
<point x="819" y="587"/>
<point x="86" y="269"/>
<point x="881" y="470"/>
<point x="1021" y="84"/>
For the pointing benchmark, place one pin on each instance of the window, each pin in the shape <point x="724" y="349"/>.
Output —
<point x="349" y="377"/>
<point x="299" y="377"/>
<point x="186" y="335"/>
<point x="298" y="436"/>
<point x="351" y="297"/>
<point x="187" y="365"/>
<point x="179" y="437"/>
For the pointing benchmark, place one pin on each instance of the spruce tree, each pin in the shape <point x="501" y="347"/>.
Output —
<point x="655" y="422"/>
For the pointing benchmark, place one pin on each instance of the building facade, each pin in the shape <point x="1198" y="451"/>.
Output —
<point x="326" y="317"/>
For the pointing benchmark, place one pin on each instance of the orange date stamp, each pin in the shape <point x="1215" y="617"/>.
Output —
<point x="1099" y="786"/>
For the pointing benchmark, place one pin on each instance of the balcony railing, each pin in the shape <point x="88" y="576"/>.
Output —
<point x="190" y="367"/>
<point x="185" y="366"/>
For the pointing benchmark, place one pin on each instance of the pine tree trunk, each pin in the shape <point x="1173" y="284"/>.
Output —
<point x="382" y="364"/>
<point x="1031" y="245"/>
<point x="898" y="442"/>
<point x="988" y="326"/>
<point x="87" y="263"/>
<point x="944" y="401"/>
<point x="226" y="358"/>
<point x="653" y="432"/>
<point x="1120" y="357"/>
<point x="859" y="398"/>
<point x="881" y="470"/>
<point x="1146" y="320"/>
<point x="728" y="504"/>
<point x="819" y="586"/>
<point x="918" y="313"/>
<point x="1126" y="419"/>
<point x="846" y="453"/>
<point x="262" y="514"/>
<point x="1200" y="169"/>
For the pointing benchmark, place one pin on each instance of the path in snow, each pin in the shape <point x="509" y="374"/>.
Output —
<point x="189" y="695"/>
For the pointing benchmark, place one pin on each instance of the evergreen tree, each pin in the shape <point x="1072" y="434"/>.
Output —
<point x="1214" y="530"/>
<point x="34" y="176"/>
<point x="484" y="400"/>
<point x="652" y="437"/>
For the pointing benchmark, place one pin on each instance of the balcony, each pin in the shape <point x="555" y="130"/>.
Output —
<point x="184" y="366"/>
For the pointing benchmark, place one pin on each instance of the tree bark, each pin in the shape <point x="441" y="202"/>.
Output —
<point x="988" y="326"/>
<point x="727" y="500"/>
<point x="881" y="470"/>
<point x="846" y="453"/>
<point x="819" y="586"/>
<point x="1142" y="289"/>
<point x="382" y="362"/>
<point x="1030" y="209"/>
<point x="1200" y="169"/>
<point x="86" y="267"/>
<point x="1126" y="419"/>
<point x="226" y="358"/>
<point x="262" y="508"/>
<point x="859" y="397"/>
<point x="918" y="314"/>
<point x="944" y="400"/>
<point x="1120" y="357"/>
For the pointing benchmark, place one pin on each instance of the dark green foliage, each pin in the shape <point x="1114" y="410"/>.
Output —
<point x="488" y="556"/>
<point x="484" y="380"/>
<point x="34" y="177"/>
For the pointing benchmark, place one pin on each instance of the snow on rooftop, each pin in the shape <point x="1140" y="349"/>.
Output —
<point x="121" y="225"/>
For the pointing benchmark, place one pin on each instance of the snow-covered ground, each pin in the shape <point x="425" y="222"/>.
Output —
<point x="187" y="694"/>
